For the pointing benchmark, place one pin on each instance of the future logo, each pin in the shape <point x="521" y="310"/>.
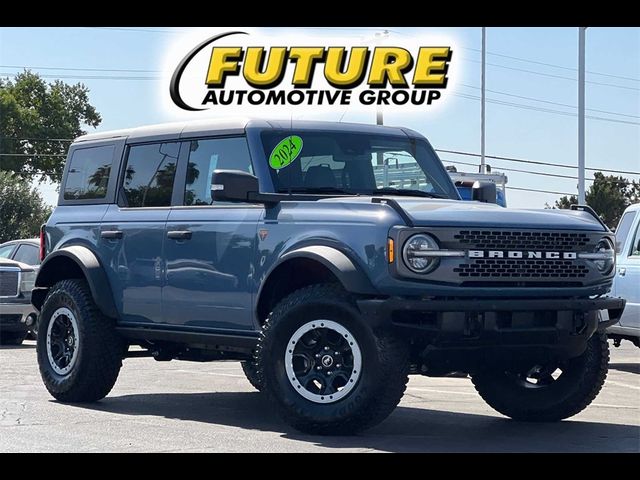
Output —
<point x="287" y="75"/>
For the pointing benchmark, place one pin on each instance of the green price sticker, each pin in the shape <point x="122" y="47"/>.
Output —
<point x="285" y="152"/>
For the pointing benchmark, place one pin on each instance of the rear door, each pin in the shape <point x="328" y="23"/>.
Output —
<point x="210" y="247"/>
<point x="132" y="231"/>
<point x="628" y="276"/>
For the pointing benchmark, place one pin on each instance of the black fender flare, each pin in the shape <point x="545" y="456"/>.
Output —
<point x="347" y="271"/>
<point x="88" y="262"/>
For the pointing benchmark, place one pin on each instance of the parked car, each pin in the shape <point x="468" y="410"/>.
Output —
<point x="627" y="280"/>
<point x="24" y="251"/>
<point x="17" y="314"/>
<point x="289" y="247"/>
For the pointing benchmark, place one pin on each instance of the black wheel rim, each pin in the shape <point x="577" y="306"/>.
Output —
<point x="62" y="341"/>
<point x="323" y="361"/>
<point x="540" y="376"/>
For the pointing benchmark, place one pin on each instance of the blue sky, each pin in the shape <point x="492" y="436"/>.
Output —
<point x="544" y="69"/>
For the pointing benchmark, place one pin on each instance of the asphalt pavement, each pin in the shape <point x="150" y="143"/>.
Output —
<point x="193" y="407"/>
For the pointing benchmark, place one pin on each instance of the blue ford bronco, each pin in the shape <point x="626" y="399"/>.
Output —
<point x="333" y="260"/>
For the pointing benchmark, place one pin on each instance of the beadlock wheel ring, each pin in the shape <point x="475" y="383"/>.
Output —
<point x="62" y="341"/>
<point x="323" y="361"/>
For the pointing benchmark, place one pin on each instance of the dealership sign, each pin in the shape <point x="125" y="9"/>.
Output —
<point x="238" y="69"/>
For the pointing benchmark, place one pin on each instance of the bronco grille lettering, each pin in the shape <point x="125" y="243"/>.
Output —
<point x="522" y="254"/>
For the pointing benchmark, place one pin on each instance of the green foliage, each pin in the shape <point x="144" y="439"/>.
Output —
<point x="31" y="108"/>
<point x="22" y="209"/>
<point x="608" y="195"/>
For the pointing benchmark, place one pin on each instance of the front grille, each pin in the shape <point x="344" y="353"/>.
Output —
<point x="9" y="283"/>
<point x="522" y="240"/>
<point x="502" y="268"/>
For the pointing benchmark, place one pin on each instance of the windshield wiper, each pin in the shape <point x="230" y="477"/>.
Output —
<point x="406" y="193"/>
<point x="319" y="190"/>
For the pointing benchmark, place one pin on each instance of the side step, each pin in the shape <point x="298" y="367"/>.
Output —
<point x="219" y="341"/>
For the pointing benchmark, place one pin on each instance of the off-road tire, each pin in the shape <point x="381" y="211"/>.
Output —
<point x="384" y="371"/>
<point x="100" y="348"/>
<point x="250" y="369"/>
<point x="565" y="397"/>
<point x="12" y="338"/>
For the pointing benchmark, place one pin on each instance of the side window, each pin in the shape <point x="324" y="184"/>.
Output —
<point x="205" y="156"/>
<point x="148" y="178"/>
<point x="635" y="246"/>
<point x="623" y="230"/>
<point x="88" y="174"/>
<point x="27" y="254"/>
<point x="5" y="252"/>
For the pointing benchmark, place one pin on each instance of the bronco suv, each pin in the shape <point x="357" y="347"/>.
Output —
<point x="332" y="259"/>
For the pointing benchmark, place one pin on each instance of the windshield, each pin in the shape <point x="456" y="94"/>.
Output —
<point x="334" y="162"/>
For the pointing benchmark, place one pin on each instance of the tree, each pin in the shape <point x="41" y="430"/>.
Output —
<point x="22" y="209"/>
<point x="608" y="195"/>
<point x="34" y="116"/>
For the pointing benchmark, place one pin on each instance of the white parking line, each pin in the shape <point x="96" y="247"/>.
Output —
<point x="215" y="374"/>
<point x="440" y="391"/>
<point x="620" y="384"/>
<point x="606" y="405"/>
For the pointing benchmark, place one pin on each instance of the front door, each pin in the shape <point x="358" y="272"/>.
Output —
<point x="132" y="233"/>
<point x="210" y="246"/>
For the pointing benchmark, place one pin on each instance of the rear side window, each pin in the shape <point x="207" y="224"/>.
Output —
<point x="623" y="230"/>
<point x="28" y="254"/>
<point x="88" y="175"/>
<point x="148" y="178"/>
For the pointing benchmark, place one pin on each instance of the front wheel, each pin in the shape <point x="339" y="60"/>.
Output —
<point x="327" y="371"/>
<point x="548" y="392"/>
<point x="250" y="369"/>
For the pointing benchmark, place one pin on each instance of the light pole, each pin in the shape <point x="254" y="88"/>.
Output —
<point x="379" y="115"/>
<point x="483" y="99"/>
<point x="581" y="102"/>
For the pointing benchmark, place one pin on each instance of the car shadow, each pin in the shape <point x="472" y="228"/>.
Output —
<point x="406" y="430"/>
<point x="626" y="367"/>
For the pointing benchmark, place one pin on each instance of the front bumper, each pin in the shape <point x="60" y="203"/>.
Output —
<point x="496" y="327"/>
<point x="13" y="316"/>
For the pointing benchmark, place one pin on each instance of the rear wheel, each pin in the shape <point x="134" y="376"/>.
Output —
<point x="549" y="392"/>
<point x="79" y="351"/>
<point x="327" y="371"/>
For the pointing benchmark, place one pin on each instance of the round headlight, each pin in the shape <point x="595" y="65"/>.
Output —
<point x="605" y="264"/>
<point x="416" y="253"/>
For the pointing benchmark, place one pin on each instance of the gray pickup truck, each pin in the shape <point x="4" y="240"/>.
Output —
<point x="17" y="315"/>
<point x="334" y="260"/>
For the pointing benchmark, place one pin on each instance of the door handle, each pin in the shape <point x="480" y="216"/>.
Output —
<point x="179" y="234"/>
<point x="622" y="272"/>
<point x="111" y="234"/>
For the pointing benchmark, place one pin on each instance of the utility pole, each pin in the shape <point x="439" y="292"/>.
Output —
<point x="378" y="37"/>
<point x="581" y="102"/>
<point x="483" y="168"/>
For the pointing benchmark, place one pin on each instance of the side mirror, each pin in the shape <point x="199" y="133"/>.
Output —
<point x="233" y="186"/>
<point x="484" y="192"/>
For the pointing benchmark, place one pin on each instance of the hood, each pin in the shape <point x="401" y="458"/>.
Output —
<point x="12" y="263"/>
<point x="457" y="213"/>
